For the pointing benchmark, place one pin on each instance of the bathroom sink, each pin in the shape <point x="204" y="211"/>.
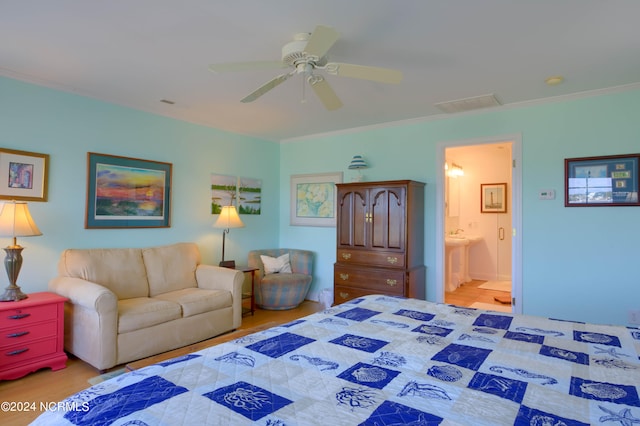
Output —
<point x="452" y="241"/>
<point x="457" y="236"/>
<point x="460" y="244"/>
<point x="473" y="239"/>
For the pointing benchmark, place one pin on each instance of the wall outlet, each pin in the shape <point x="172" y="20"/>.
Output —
<point x="634" y="317"/>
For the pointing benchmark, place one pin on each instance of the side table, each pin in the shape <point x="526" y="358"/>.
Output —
<point x="251" y="296"/>
<point x="32" y="335"/>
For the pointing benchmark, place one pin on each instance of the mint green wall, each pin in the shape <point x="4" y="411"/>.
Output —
<point x="67" y="126"/>
<point x="578" y="263"/>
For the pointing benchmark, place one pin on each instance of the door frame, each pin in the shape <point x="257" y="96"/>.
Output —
<point x="516" y="212"/>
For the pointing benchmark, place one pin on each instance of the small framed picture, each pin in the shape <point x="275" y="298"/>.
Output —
<point x="313" y="199"/>
<point x="493" y="198"/>
<point x="23" y="175"/>
<point x="610" y="180"/>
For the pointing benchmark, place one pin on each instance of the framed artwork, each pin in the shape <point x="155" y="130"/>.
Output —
<point x="493" y="198"/>
<point x="313" y="199"/>
<point x="611" y="180"/>
<point x="224" y="192"/>
<point x="249" y="195"/>
<point x="244" y="193"/>
<point x="23" y="175"/>
<point x="125" y="192"/>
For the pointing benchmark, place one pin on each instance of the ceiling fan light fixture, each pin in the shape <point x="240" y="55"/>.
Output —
<point x="314" y="79"/>
<point x="306" y="53"/>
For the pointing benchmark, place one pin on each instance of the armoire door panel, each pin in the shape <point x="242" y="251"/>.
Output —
<point x="352" y="208"/>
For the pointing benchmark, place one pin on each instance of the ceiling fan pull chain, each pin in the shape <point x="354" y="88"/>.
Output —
<point x="304" y="97"/>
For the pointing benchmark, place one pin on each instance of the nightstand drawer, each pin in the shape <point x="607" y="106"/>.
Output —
<point x="19" y="317"/>
<point x="18" y="353"/>
<point x="23" y="335"/>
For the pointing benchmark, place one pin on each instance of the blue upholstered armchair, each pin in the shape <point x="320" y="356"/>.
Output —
<point x="282" y="290"/>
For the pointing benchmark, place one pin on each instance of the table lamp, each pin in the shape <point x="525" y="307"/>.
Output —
<point x="228" y="219"/>
<point x="358" y="163"/>
<point x="15" y="221"/>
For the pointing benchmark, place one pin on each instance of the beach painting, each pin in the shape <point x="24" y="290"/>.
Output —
<point x="250" y="195"/>
<point x="129" y="192"/>
<point x="125" y="192"/>
<point x="244" y="193"/>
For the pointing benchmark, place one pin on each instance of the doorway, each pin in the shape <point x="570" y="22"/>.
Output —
<point x="482" y="242"/>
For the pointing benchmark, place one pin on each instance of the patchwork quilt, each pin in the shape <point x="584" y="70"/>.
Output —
<point x="381" y="360"/>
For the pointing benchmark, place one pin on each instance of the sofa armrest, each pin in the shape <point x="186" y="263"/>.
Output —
<point x="217" y="278"/>
<point x="85" y="293"/>
<point x="91" y="320"/>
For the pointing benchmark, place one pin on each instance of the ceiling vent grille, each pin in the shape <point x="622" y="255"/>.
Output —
<point x="468" y="104"/>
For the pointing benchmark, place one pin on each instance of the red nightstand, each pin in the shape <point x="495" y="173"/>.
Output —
<point x="32" y="335"/>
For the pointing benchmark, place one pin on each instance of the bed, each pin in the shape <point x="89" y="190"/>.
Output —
<point x="381" y="360"/>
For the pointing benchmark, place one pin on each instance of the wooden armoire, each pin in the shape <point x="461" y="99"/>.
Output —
<point x="380" y="240"/>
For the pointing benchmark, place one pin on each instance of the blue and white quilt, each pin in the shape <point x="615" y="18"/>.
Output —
<point x="382" y="360"/>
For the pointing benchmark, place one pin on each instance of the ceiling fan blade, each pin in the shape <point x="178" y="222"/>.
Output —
<point x="326" y="94"/>
<point x="247" y="66"/>
<point x="265" y="88"/>
<point x="383" y="75"/>
<point x="321" y="41"/>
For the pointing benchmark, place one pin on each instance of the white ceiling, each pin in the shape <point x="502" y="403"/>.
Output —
<point x="137" y="52"/>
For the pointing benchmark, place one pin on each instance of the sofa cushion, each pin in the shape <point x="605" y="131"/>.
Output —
<point x="143" y="312"/>
<point x="196" y="301"/>
<point x="121" y="270"/>
<point x="172" y="267"/>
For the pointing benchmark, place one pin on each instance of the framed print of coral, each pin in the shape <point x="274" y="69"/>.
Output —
<point x="23" y="175"/>
<point x="313" y="199"/>
<point x="125" y="192"/>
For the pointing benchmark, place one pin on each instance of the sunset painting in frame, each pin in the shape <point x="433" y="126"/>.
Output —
<point x="127" y="192"/>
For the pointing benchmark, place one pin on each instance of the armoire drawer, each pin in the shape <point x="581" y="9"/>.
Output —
<point x="373" y="280"/>
<point x="343" y="294"/>
<point x="385" y="259"/>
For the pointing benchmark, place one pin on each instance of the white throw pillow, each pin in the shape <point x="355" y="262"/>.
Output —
<point x="274" y="265"/>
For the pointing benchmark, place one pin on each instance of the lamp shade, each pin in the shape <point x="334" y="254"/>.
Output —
<point x="228" y="218"/>
<point x="16" y="221"/>
<point x="357" y="162"/>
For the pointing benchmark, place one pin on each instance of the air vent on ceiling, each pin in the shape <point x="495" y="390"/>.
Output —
<point x="468" y="104"/>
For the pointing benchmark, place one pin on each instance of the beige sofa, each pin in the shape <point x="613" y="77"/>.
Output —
<point x="130" y="303"/>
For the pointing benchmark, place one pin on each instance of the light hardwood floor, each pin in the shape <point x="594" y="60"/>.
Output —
<point x="468" y="293"/>
<point x="46" y="386"/>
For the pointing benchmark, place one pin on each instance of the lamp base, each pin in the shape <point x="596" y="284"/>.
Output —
<point x="228" y="264"/>
<point x="12" y="294"/>
<point x="13" y="263"/>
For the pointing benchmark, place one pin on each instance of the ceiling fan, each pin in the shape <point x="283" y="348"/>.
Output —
<point x="305" y="54"/>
